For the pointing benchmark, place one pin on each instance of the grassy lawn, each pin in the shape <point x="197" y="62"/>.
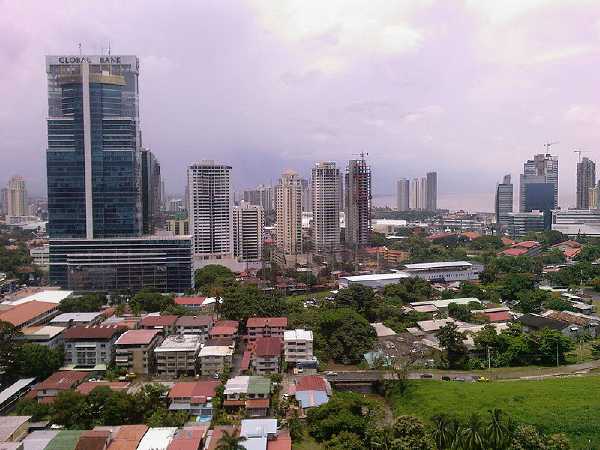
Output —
<point x="308" y="443"/>
<point x="561" y="405"/>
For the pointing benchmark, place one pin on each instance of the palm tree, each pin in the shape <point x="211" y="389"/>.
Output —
<point x="497" y="431"/>
<point x="230" y="442"/>
<point x="472" y="434"/>
<point x="445" y="431"/>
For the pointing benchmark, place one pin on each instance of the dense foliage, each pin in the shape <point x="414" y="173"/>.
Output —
<point x="83" y="303"/>
<point x="211" y="276"/>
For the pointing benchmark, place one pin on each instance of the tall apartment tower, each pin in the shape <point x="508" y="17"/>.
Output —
<point x="210" y="214"/>
<point x="306" y="195"/>
<point x="326" y="185"/>
<point x="542" y="169"/>
<point x="248" y="232"/>
<point x="358" y="202"/>
<point x="16" y="197"/>
<point x="586" y="180"/>
<point x="504" y="202"/>
<point x="288" y="208"/>
<point x="403" y="194"/>
<point x="93" y="156"/>
<point x="150" y="184"/>
<point x="261" y="196"/>
<point x="431" y="194"/>
<point x="418" y="193"/>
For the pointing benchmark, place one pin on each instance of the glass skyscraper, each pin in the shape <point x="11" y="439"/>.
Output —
<point x="93" y="155"/>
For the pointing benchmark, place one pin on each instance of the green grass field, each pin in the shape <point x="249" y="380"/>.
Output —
<point x="560" y="405"/>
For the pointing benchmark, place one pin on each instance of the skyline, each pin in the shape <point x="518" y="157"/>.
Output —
<point x="324" y="92"/>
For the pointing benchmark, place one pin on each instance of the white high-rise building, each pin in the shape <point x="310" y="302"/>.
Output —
<point x="418" y="193"/>
<point x="326" y="185"/>
<point x="403" y="194"/>
<point x="288" y="207"/>
<point x="16" y="197"/>
<point x="248" y="232"/>
<point x="211" y="209"/>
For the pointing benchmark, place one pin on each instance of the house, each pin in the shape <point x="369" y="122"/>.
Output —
<point x="224" y="329"/>
<point x="298" y="345"/>
<point x="266" y="327"/>
<point x="525" y="248"/>
<point x="88" y="386"/>
<point x="188" y="438"/>
<point x="166" y="323"/>
<point x="77" y="318"/>
<point x="569" y="248"/>
<point x="13" y="428"/>
<point x="199" y="325"/>
<point x="312" y="391"/>
<point x="500" y="314"/>
<point x="157" y="438"/>
<point x="431" y="326"/>
<point x="178" y="355"/>
<point x="194" y="397"/>
<point x="250" y="392"/>
<point x="589" y="325"/>
<point x="195" y="303"/>
<point x="46" y="335"/>
<point x="12" y="394"/>
<point x="29" y="313"/>
<point x="442" y="305"/>
<point x="129" y="321"/>
<point x="215" y="358"/>
<point x="38" y="439"/>
<point x="266" y="355"/>
<point x="258" y="432"/>
<point x="134" y="350"/>
<point x="128" y="437"/>
<point x="535" y="322"/>
<point x="47" y="390"/>
<point x="91" y="345"/>
<point x="93" y="440"/>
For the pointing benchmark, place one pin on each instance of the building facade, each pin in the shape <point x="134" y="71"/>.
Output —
<point x="586" y="180"/>
<point x="573" y="222"/>
<point x="16" y="197"/>
<point x="261" y="196"/>
<point x="248" y="232"/>
<point x="90" y="346"/>
<point x="178" y="355"/>
<point x="288" y="207"/>
<point x="150" y="185"/>
<point x="403" y="194"/>
<point x="521" y="223"/>
<point x="504" y="202"/>
<point x="210" y="214"/>
<point x="431" y="193"/>
<point x="357" y="203"/>
<point x="542" y="169"/>
<point x="326" y="190"/>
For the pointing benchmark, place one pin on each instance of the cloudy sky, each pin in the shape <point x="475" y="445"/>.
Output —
<point x="470" y="88"/>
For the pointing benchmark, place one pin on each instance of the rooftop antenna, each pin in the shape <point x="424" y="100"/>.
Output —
<point x="108" y="48"/>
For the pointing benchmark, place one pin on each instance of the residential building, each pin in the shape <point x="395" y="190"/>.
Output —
<point x="418" y="193"/>
<point x="16" y="200"/>
<point x="431" y="191"/>
<point x="164" y="323"/>
<point x="127" y="437"/>
<point x="179" y="227"/>
<point x="248" y="232"/>
<point x="215" y="358"/>
<point x="261" y="196"/>
<point x="523" y="248"/>
<point x="134" y="350"/>
<point x="150" y="186"/>
<point x="41" y="256"/>
<point x="521" y="223"/>
<point x="224" y="329"/>
<point x="288" y="207"/>
<point x="266" y="355"/>
<point x="91" y="346"/>
<point x="161" y="263"/>
<point x="77" y="318"/>
<point x="258" y="327"/>
<point x="93" y="156"/>
<point x="298" y="345"/>
<point x="250" y="392"/>
<point x="193" y="397"/>
<point x="194" y="303"/>
<point x="586" y="180"/>
<point x="196" y="325"/>
<point x="46" y="335"/>
<point x="312" y="391"/>
<point x="403" y="194"/>
<point x="504" y="202"/>
<point x="47" y="390"/>
<point x="326" y="192"/>
<point x="158" y="438"/>
<point x="357" y="203"/>
<point x="573" y="222"/>
<point x="177" y="355"/>
<point x="210" y="215"/>
<point x="29" y="313"/>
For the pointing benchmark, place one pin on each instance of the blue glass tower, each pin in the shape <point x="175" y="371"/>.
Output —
<point x="93" y="155"/>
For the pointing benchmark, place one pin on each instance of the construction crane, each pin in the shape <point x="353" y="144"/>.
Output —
<point x="548" y="145"/>
<point x="362" y="155"/>
<point x="579" y="152"/>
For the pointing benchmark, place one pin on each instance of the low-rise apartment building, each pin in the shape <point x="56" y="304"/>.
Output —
<point x="266" y="327"/>
<point x="193" y="397"/>
<point x="165" y="324"/>
<point x="266" y="355"/>
<point x="91" y="346"/>
<point x="214" y="358"/>
<point x="134" y="350"/>
<point x="46" y="335"/>
<point x="198" y="325"/>
<point x="78" y="318"/>
<point x="224" y="329"/>
<point x="178" y="355"/>
<point x="297" y="345"/>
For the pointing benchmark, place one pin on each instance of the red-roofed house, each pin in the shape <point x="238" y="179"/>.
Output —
<point x="570" y="249"/>
<point x="166" y="323"/>
<point x="189" y="438"/>
<point x="528" y="248"/>
<point x="190" y="302"/>
<point x="312" y="383"/>
<point x="266" y="355"/>
<point x="195" y="397"/>
<point x="128" y="437"/>
<point x="135" y="350"/>
<point x="224" y="329"/>
<point x="266" y="327"/>
<point x="47" y="390"/>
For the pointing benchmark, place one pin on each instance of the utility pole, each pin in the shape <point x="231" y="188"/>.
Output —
<point x="489" y="358"/>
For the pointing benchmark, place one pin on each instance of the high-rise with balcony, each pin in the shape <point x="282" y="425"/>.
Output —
<point x="586" y="180"/>
<point x="16" y="197"/>
<point x="248" y="232"/>
<point x="504" y="202"/>
<point x="288" y="208"/>
<point x="403" y="194"/>
<point x="210" y="214"/>
<point x="358" y="203"/>
<point x="326" y="185"/>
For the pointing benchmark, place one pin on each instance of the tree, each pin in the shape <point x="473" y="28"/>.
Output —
<point x="531" y="301"/>
<point x="83" y="303"/>
<point x="445" y="429"/>
<point x="459" y="312"/>
<point x="211" y="276"/>
<point x="408" y="290"/>
<point x="35" y="360"/>
<point x="8" y="348"/>
<point x="230" y="442"/>
<point x="527" y="437"/>
<point x="551" y="344"/>
<point x="239" y="302"/>
<point x="358" y="297"/>
<point x="472" y="435"/>
<point x="162" y="417"/>
<point x="345" y="335"/>
<point x="410" y="434"/>
<point x="70" y="409"/>
<point x="150" y="301"/>
<point x="452" y="341"/>
<point x="31" y="407"/>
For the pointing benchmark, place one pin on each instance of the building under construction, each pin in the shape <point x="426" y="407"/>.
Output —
<point x="358" y="202"/>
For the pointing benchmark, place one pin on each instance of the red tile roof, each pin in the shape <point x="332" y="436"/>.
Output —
<point x="257" y="403"/>
<point x="499" y="316"/>
<point x="158" y="321"/>
<point x="128" y="437"/>
<point x="513" y="251"/>
<point x="194" y="389"/>
<point x="61" y="380"/>
<point x="81" y="332"/>
<point x="137" y="337"/>
<point x="228" y="323"/>
<point x="93" y="440"/>
<point x="282" y="442"/>
<point x="189" y="301"/>
<point x="222" y="330"/>
<point x="89" y="386"/>
<point x="311" y="383"/>
<point x="262" y="322"/>
<point x="195" y="321"/>
<point x="245" y="364"/>
<point x="25" y="312"/>
<point x="218" y="433"/>
<point x="268" y="346"/>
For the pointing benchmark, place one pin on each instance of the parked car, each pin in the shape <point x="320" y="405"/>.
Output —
<point x="426" y="375"/>
<point x="446" y="378"/>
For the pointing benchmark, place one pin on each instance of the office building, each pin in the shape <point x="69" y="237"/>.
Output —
<point x="248" y="232"/>
<point x="586" y="180"/>
<point x="93" y="156"/>
<point x="150" y="185"/>
<point x="431" y="191"/>
<point x="358" y="203"/>
<point x="542" y="169"/>
<point x="288" y="207"/>
<point x="161" y="263"/>
<point x="504" y="202"/>
<point x="403" y="195"/>
<point x="521" y="223"/>
<point x="261" y="196"/>
<point x="210" y="215"/>
<point x="574" y="222"/>
<point x="16" y="197"/>
<point x="446" y="271"/>
<point x="325" y="188"/>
